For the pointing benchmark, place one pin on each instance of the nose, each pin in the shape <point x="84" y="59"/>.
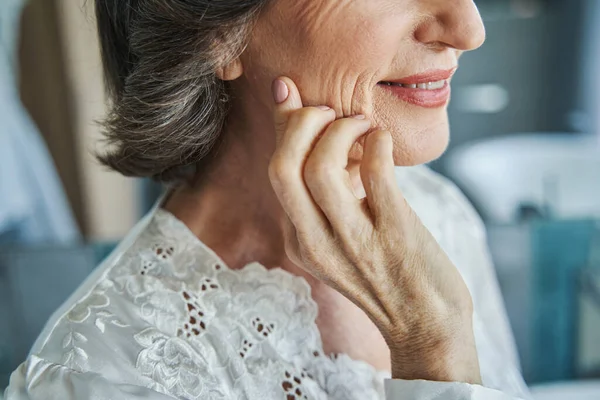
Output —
<point x="452" y="23"/>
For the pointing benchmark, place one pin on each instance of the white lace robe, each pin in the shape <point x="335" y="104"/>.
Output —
<point x="164" y="318"/>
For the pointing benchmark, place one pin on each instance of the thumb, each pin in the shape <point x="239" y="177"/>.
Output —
<point x="287" y="100"/>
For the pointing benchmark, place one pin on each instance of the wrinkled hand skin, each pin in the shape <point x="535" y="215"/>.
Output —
<point x="372" y="248"/>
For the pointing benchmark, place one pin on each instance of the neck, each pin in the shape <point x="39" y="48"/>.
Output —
<point x="234" y="211"/>
<point x="233" y="208"/>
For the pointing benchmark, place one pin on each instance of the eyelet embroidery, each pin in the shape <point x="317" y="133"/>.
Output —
<point x="201" y="317"/>
<point x="292" y="386"/>
<point x="246" y="347"/>
<point x="195" y="324"/>
<point x="208" y="285"/>
<point x="264" y="329"/>
<point x="181" y="366"/>
<point x="163" y="252"/>
<point x="147" y="266"/>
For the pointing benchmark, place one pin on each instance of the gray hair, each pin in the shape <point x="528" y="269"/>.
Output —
<point x="168" y="107"/>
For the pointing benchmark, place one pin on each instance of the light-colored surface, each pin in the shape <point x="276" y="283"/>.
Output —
<point x="558" y="170"/>
<point x="164" y="315"/>
<point x="110" y="198"/>
<point x="567" y="391"/>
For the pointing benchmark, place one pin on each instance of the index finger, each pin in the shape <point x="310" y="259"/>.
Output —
<point x="297" y="130"/>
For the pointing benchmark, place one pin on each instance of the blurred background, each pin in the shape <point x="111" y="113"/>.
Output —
<point x="525" y="149"/>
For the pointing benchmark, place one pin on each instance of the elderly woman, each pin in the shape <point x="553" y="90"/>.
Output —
<point x="290" y="259"/>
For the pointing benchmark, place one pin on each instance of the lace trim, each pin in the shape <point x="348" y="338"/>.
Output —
<point x="165" y="288"/>
<point x="307" y="339"/>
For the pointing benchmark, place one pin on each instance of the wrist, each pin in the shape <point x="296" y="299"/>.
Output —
<point x="442" y="353"/>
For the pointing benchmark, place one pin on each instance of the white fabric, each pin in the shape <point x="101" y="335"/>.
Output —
<point x="164" y="318"/>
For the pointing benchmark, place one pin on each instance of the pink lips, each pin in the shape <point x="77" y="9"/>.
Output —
<point x="426" y="98"/>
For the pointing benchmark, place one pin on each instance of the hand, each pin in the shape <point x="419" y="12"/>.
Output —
<point x="375" y="250"/>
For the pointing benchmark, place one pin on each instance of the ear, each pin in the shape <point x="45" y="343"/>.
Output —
<point x="231" y="71"/>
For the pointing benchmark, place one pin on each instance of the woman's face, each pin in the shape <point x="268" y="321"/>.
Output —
<point x="365" y="57"/>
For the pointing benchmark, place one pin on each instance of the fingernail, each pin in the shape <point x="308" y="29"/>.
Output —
<point x="280" y="91"/>
<point x="359" y="116"/>
<point x="324" y="108"/>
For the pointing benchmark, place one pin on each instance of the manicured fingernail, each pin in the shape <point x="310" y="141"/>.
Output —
<point x="359" y="116"/>
<point x="324" y="108"/>
<point x="280" y="91"/>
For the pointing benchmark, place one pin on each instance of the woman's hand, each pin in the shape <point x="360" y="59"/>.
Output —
<point x="375" y="250"/>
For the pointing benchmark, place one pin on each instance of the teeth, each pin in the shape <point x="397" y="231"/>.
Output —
<point x="436" y="85"/>
<point x="423" y="86"/>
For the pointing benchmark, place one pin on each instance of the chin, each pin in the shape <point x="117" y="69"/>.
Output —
<point x="426" y="146"/>
<point x="420" y="135"/>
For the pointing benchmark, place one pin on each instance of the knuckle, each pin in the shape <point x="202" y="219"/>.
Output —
<point x="343" y="124"/>
<point x="307" y="113"/>
<point x="280" y="124"/>
<point x="279" y="170"/>
<point x="311" y="169"/>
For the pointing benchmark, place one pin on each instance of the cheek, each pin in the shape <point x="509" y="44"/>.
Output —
<point x="378" y="50"/>
<point x="328" y="43"/>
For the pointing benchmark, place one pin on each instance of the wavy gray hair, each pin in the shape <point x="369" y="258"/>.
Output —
<point x="160" y="57"/>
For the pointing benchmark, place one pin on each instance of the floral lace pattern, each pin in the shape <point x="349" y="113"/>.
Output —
<point x="167" y="314"/>
<point x="175" y="366"/>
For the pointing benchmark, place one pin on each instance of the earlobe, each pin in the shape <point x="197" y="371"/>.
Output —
<point x="231" y="71"/>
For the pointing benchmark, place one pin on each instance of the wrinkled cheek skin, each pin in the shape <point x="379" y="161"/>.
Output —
<point x="336" y="51"/>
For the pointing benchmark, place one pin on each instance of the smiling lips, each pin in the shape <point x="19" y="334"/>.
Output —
<point x="429" y="90"/>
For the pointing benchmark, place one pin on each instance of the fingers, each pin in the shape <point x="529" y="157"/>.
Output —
<point x="333" y="148"/>
<point x="308" y="169"/>
<point x="302" y="132"/>
<point x="326" y="175"/>
<point x="298" y="128"/>
<point x="287" y="100"/>
<point x="378" y="177"/>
